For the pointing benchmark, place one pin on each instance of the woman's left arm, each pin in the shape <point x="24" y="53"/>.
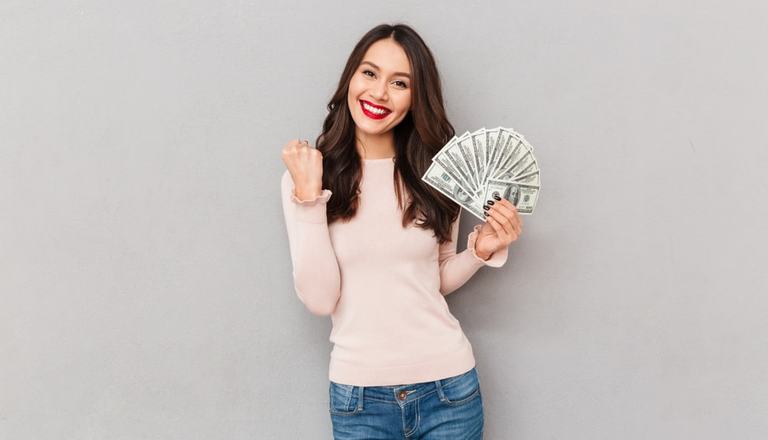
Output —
<point x="457" y="268"/>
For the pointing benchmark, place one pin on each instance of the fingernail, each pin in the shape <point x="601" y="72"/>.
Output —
<point x="485" y="213"/>
<point x="486" y="207"/>
<point x="496" y="196"/>
<point x="490" y="202"/>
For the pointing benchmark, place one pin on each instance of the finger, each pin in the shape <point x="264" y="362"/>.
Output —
<point x="518" y="217"/>
<point x="498" y="228"/>
<point x="517" y="228"/>
<point x="501" y="220"/>
<point x="305" y="147"/>
<point x="507" y="203"/>
<point x="509" y="214"/>
<point x="506" y="236"/>
<point x="510" y="234"/>
<point x="503" y="207"/>
<point x="514" y="221"/>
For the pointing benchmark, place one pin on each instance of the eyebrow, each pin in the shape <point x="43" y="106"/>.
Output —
<point x="396" y="73"/>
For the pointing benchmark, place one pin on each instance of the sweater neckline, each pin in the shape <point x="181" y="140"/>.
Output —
<point x="382" y="160"/>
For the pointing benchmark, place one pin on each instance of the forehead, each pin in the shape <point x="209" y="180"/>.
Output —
<point x="388" y="55"/>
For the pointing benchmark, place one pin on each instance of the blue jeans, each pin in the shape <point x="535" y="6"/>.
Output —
<point x="450" y="408"/>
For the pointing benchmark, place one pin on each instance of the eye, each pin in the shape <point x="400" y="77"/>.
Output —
<point x="402" y="84"/>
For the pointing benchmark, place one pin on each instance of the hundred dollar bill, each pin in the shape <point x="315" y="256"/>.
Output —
<point x="521" y="195"/>
<point x="437" y="177"/>
<point x="467" y="152"/>
<point x="514" y="150"/>
<point x="470" y="167"/>
<point x="532" y="178"/>
<point x="478" y="148"/>
<point x="523" y="165"/>
<point x="449" y="168"/>
<point x="504" y="147"/>
<point x="509" y="149"/>
<point x="493" y="140"/>
<point x="452" y="153"/>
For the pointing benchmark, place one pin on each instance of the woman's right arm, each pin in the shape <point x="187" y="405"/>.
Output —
<point x="316" y="276"/>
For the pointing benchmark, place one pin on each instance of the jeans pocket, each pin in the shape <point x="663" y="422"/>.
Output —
<point x="460" y="389"/>
<point x="343" y="399"/>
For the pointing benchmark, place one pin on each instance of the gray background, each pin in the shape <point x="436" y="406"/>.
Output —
<point x="144" y="266"/>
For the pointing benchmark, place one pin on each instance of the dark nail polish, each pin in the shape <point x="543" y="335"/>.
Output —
<point x="490" y="202"/>
<point x="485" y="213"/>
<point x="496" y="196"/>
<point x="486" y="207"/>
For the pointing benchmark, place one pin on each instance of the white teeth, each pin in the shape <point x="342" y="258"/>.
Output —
<point x="374" y="110"/>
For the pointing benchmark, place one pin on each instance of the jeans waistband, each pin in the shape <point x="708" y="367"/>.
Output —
<point x="402" y="393"/>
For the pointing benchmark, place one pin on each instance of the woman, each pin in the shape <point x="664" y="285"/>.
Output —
<point x="374" y="247"/>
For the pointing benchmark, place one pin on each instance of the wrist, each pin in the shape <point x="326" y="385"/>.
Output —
<point x="481" y="254"/>
<point x="307" y="194"/>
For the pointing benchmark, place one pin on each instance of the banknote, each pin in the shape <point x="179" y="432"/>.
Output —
<point x="443" y="181"/>
<point x="471" y="167"/>
<point x="522" y="195"/>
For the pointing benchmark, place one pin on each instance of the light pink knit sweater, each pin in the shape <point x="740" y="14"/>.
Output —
<point x="383" y="285"/>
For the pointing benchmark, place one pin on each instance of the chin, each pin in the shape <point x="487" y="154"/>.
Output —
<point x="372" y="127"/>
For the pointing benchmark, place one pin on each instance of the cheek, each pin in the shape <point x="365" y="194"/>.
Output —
<point x="405" y="104"/>
<point x="355" y="88"/>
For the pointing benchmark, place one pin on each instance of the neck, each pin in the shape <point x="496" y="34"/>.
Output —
<point x="375" y="146"/>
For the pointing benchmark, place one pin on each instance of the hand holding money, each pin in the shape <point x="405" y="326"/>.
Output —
<point x="306" y="167"/>
<point x="470" y="169"/>
<point x="503" y="226"/>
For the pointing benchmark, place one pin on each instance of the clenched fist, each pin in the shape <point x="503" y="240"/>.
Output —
<point x="305" y="164"/>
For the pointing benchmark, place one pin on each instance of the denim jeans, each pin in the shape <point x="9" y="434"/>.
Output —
<point x="449" y="408"/>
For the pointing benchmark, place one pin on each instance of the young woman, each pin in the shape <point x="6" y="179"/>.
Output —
<point x="374" y="247"/>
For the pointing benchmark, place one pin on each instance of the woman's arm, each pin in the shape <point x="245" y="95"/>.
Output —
<point x="316" y="277"/>
<point x="457" y="269"/>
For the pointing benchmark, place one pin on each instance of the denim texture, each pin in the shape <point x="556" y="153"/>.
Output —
<point x="449" y="408"/>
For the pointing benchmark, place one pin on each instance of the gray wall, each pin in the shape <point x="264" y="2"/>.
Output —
<point x="144" y="270"/>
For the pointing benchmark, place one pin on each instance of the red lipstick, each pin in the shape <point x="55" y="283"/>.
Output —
<point x="373" y="115"/>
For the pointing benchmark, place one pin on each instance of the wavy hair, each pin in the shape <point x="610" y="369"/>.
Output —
<point x="418" y="137"/>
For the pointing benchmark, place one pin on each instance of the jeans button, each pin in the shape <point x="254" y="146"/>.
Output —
<point x="402" y="395"/>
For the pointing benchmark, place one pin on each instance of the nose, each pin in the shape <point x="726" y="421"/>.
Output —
<point x="379" y="92"/>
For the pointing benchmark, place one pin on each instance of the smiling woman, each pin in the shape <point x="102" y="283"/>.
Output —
<point x="388" y="104"/>
<point x="380" y="93"/>
<point x="357" y="211"/>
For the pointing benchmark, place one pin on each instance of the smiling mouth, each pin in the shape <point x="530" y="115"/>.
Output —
<point x="372" y="111"/>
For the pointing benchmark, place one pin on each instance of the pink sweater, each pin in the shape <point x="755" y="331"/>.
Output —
<point x="383" y="285"/>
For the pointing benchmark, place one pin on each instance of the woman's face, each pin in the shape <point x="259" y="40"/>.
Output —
<point x="382" y="80"/>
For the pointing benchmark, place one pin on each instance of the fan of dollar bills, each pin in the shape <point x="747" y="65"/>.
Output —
<point x="471" y="168"/>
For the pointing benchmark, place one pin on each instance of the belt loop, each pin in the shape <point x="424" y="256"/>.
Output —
<point x="439" y="387"/>
<point x="360" y="398"/>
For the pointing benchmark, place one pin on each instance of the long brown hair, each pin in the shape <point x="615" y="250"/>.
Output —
<point x="418" y="137"/>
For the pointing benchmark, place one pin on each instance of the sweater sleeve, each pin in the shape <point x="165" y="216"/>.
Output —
<point x="316" y="276"/>
<point x="457" y="268"/>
